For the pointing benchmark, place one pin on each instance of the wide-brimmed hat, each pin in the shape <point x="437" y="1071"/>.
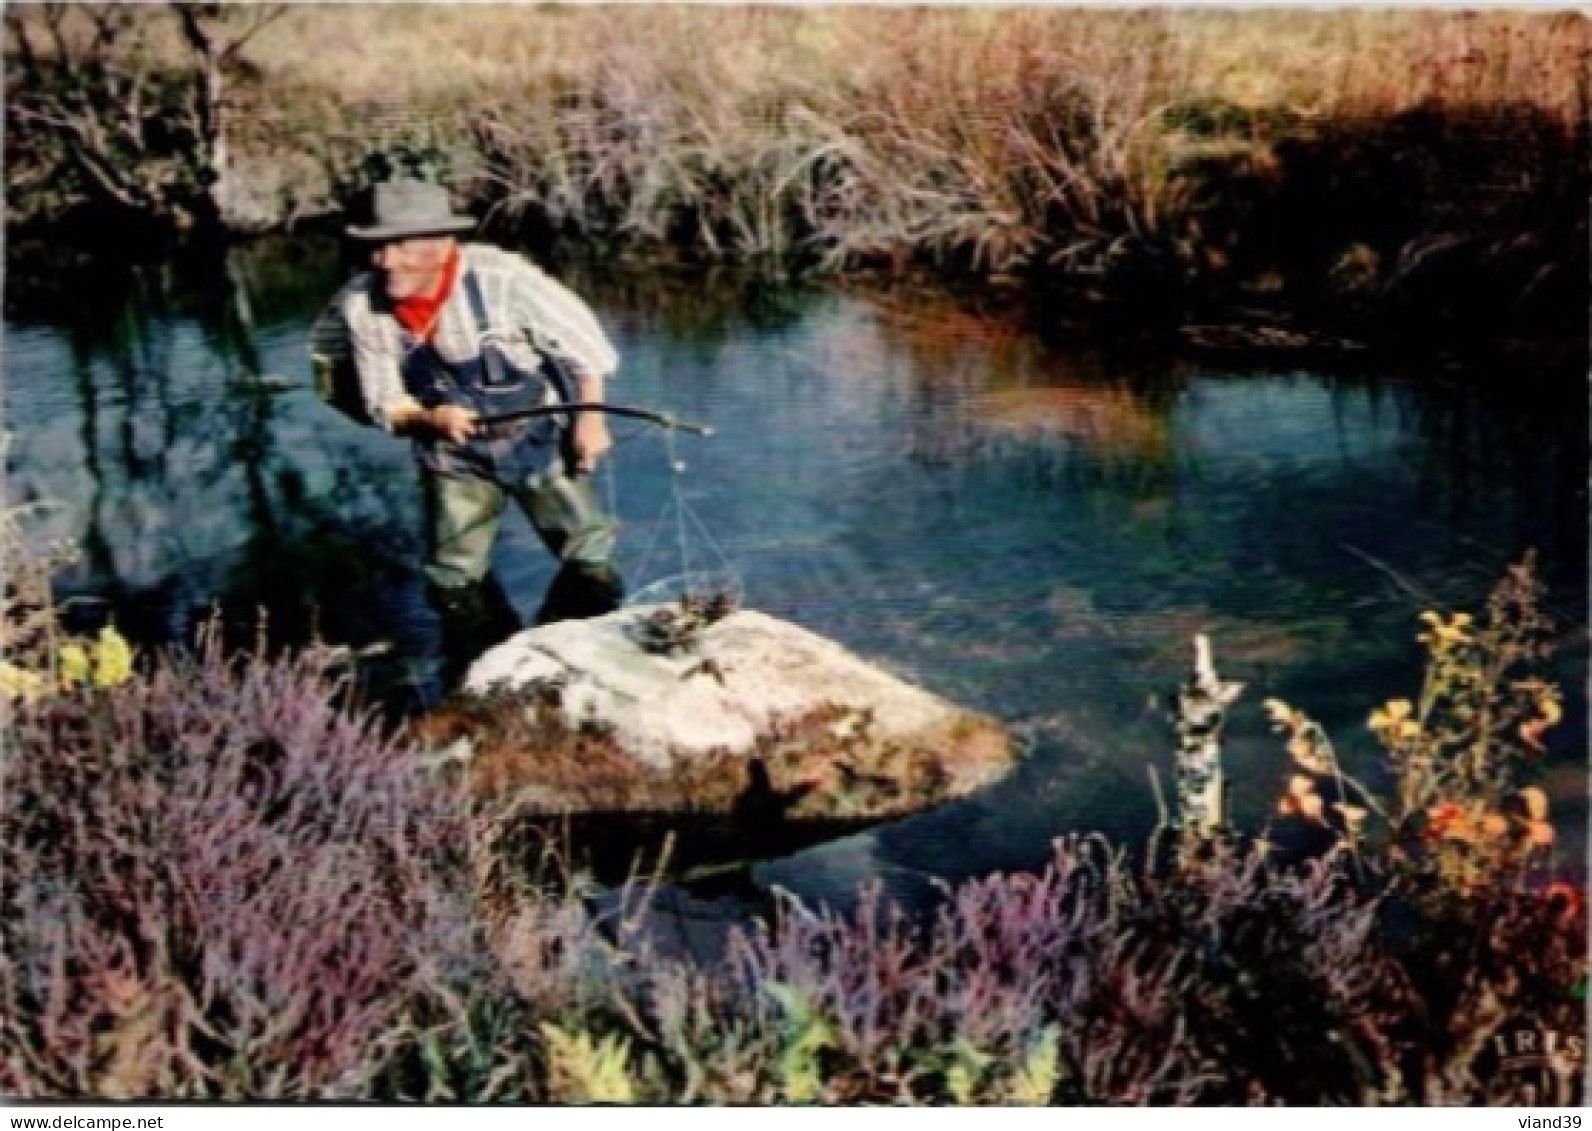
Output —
<point x="400" y="209"/>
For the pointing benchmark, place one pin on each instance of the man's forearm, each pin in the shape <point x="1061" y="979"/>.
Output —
<point x="407" y="414"/>
<point x="590" y="388"/>
<point x="591" y="439"/>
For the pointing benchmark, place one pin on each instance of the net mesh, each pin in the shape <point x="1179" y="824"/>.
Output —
<point x="706" y="587"/>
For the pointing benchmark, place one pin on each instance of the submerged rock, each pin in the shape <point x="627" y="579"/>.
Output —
<point x="747" y="716"/>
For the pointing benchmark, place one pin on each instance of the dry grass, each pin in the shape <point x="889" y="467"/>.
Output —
<point x="986" y="140"/>
<point x="1324" y="62"/>
<point x="981" y="139"/>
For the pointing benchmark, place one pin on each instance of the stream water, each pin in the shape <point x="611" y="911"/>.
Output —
<point x="1033" y="531"/>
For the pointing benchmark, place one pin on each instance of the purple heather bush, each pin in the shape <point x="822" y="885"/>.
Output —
<point x="1144" y="989"/>
<point x="218" y="881"/>
<point x="1104" y="980"/>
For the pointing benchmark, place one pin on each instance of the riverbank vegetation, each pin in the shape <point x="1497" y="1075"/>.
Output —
<point x="1365" y="172"/>
<point x="220" y="878"/>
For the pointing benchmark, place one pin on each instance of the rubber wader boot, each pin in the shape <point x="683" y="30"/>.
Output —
<point x="473" y="618"/>
<point x="581" y="590"/>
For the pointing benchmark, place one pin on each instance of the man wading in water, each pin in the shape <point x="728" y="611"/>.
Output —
<point x="437" y="339"/>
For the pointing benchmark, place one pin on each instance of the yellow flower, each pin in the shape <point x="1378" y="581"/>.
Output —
<point x="1393" y="723"/>
<point x="1445" y="635"/>
<point x="1389" y="716"/>
<point x="74" y="665"/>
<point x="19" y="683"/>
<point x="113" y="659"/>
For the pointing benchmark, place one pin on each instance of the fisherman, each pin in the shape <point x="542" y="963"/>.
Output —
<point x="437" y="340"/>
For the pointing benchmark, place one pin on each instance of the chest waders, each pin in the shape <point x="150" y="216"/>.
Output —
<point x="492" y="385"/>
<point x="524" y="457"/>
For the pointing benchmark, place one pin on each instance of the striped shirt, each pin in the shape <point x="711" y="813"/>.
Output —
<point x="529" y="313"/>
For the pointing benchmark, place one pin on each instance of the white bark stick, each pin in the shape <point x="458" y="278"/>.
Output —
<point x="1201" y="707"/>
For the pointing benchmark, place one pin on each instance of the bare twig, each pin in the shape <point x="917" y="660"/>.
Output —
<point x="1420" y="594"/>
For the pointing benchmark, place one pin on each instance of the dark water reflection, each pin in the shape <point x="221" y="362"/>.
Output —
<point x="1034" y="532"/>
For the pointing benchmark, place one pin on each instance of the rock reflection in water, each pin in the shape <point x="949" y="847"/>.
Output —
<point x="681" y="881"/>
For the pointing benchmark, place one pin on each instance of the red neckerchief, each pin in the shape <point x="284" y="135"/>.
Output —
<point x="419" y="314"/>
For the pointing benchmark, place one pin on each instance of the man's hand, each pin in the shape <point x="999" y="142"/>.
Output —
<point x="452" y="422"/>
<point x="455" y="423"/>
<point x="590" y="440"/>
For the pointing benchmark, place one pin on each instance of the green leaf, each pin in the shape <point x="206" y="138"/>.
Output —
<point x="804" y="1036"/>
<point x="584" y="1071"/>
<point x="1040" y="1071"/>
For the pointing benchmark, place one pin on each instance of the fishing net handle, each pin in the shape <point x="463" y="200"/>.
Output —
<point x="661" y="419"/>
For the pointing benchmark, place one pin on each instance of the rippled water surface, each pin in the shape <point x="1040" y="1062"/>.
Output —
<point x="1034" y="532"/>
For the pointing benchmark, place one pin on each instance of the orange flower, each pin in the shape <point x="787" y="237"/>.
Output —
<point x="1307" y="755"/>
<point x="1536" y="802"/>
<point x="1301" y="799"/>
<point x="1443" y="819"/>
<point x="1531" y="732"/>
<point x="1539" y="834"/>
<point x="1550" y="711"/>
<point x="1569" y="897"/>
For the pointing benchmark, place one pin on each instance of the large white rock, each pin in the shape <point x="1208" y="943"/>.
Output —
<point x="865" y="742"/>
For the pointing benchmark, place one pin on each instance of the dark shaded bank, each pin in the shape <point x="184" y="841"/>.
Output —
<point x="1271" y="235"/>
<point x="1421" y="229"/>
